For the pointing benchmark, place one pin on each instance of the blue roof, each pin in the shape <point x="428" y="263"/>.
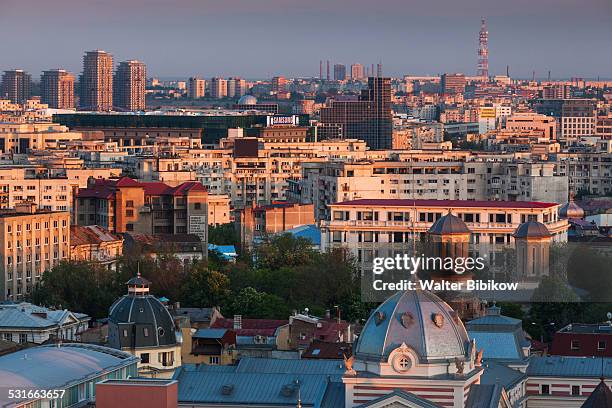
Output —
<point x="53" y="367"/>
<point x="262" y="381"/>
<point x="28" y="316"/>
<point x="561" y="366"/>
<point x="226" y="251"/>
<point x="407" y="396"/>
<point x="496" y="373"/>
<point x="308" y="231"/>
<point x="498" y="345"/>
<point x="484" y="396"/>
<point x="209" y="333"/>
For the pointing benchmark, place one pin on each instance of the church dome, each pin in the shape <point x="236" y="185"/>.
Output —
<point x="140" y="320"/>
<point x="420" y="320"/>
<point x="247" y="100"/>
<point x="532" y="229"/>
<point x="571" y="209"/>
<point x="449" y="224"/>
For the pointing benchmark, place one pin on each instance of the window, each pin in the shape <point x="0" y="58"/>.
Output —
<point x="129" y="204"/>
<point x="214" y="360"/>
<point x="23" y="338"/>
<point x="129" y="213"/>
<point x="601" y="345"/>
<point x="197" y="206"/>
<point x="129" y="227"/>
<point x="145" y="331"/>
<point x="575" y="345"/>
<point x="575" y="390"/>
<point x="545" y="389"/>
<point x="144" y="358"/>
<point x="337" y="236"/>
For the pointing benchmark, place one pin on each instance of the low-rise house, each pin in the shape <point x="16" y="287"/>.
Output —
<point x="209" y="346"/>
<point x="27" y="323"/>
<point x="186" y="247"/>
<point x="257" y="337"/>
<point x="95" y="244"/>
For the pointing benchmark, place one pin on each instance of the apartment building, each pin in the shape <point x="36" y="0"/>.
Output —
<point x="365" y="223"/>
<point x="527" y="121"/>
<point x="126" y="205"/>
<point x="23" y="137"/>
<point x="31" y="242"/>
<point x="196" y="88"/>
<point x="93" y="243"/>
<point x="218" y="88"/>
<point x="589" y="172"/>
<point x="326" y="183"/>
<point x="57" y="87"/>
<point x="258" y="222"/>
<point x="576" y="118"/>
<point x="129" y="86"/>
<point x="96" y="82"/>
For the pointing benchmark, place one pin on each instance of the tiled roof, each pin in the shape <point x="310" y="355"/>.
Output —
<point x="91" y="234"/>
<point x="446" y="203"/>
<point x="105" y="188"/>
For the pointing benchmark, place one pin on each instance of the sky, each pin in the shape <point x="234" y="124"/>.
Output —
<point x="262" y="38"/>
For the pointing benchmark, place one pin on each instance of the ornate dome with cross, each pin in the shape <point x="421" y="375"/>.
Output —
<point x="414" y="342"/>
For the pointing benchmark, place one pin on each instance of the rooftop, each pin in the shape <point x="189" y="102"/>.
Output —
<point x="28" y="316"/>
<point x="598" y="328"/>
<point x="446" y="203"/>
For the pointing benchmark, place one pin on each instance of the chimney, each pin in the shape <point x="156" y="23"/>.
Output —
<point x="327" y="314"/>
<point x="25" y="207"/>
<point x="237" y="322"/>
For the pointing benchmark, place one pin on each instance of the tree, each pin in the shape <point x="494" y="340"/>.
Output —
<point x="81" y="287"/>
<point x="223" y="234"/>
<point x="251" y="303"/>
<point x="204" y="287"/>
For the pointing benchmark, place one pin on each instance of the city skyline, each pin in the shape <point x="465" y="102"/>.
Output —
<point x="525" y="37"/>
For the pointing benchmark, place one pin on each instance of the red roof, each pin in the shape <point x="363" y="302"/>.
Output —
<point x="445" y="203"/>
<point x="104" y="188"/>
<point x="91" y="234"/>
<point x="250" y="327"/>
<point x="127" y="182"/>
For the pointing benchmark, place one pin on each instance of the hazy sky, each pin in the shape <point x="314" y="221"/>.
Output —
<point x="260" y="38"/>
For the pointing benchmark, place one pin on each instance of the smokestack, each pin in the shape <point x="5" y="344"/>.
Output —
<point x="321" y="70"/>
<point x="372" y="70"/>
<point x="533" y="76"/>
<point x="508" y="71"/>
<point x="328" y="70"/>
<point x="379" y="69"/>
<point x="549" y="75"/>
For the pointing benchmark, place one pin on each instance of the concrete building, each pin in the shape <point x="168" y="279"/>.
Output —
<point x="369" y="118"/>
<point x="196" y="88"/>
<point x="57" y="89"/>
<point x="21" y="138"/>
<point x="24" y="323"/>
<point x="96" y="81"/>
<point x="357" y="72"/>
<point x="236" y="87"/>
<point x="339" y="72"/>
<point x="129" y="86"/>
<point x="31" y="242"/>
<point x="218" y="88"/>
<point x="576" y="118"/>
<point x="126" y="205"/>
<point x="533" y="122"/>
<point x="15" y="86"/>
<point x="452" y="84"/>
<point x="436" y="178"/>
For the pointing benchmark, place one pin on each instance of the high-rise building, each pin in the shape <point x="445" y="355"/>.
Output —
<point x="452" y="84"/>
<point x="483" y="51"/>
<point x="57" y="89"/>
<point x="369" y="118"/>
<point x="236" y="87"/>
<point x="96" y="82"/>
<point x="279" y="85"/>
<point x="15" y="85"/>
<point x="218" y="88"/>
<point x="129" y="85"/>
<point x="339" y="72"/>
<point x="576" y="118"/>
<point x="196" y="88"/>
<point x="357" y="72"/>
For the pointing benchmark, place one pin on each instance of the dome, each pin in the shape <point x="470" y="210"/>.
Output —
<point x="247" y="100"/>
<point x="420" y="320"/>
<point x="571" y="209"/>
<point x="449" y="224"/>
<point x="532" y="229"/>
<point x="140" y="320"/>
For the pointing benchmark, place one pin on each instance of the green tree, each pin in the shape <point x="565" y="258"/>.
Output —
<point x="204" y="287"/>
<point x="251" y="303"/>
<point x="223" y="234"/>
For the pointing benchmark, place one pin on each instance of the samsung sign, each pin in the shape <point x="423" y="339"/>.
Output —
<point x="282" y="120"/>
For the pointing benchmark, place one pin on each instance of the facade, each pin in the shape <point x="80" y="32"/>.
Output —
<point x="452" y="84"/>
<point x="583" y="340"/>
<point x="339" y="72"/>
<point x="533" y="122"/>
<point x="369" y="118"/>
<point x="57" y="87"/>
<point x="125" y="205"/>
<point x="31" y="242"/>
<point x="15" y="86"/>
<point x="96" y="81"/>
<point x="256" y="223"/>
<point x="279" y="85"/>
<point x="218" y="88"/>
<point x="236" y="87"/>
<point x="129" y="86"/>
<point x="576" y="118"/>
<point x="196" y="88"/>
<point x="360" y="224"/>
<point x="71" y="369"/>
<point x="136" y="393"/>
<point x="451" y="178"/>
<point x="27" y="323"/>
<point x="142" y="326"/>
<point x="357" y="72"/>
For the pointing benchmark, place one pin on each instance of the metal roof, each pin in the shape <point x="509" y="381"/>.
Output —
<point x="446" y="203"/>
<point x="209" y="333"/>
<point x="484" y="396"/>
<point x="496" y="373"/>
<point x="562" y="366"/>
<point x="59" y="367"/>
<point x="407" y="396"/>
<point x="501" y="346"/>
<point x="21" y="316"/>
